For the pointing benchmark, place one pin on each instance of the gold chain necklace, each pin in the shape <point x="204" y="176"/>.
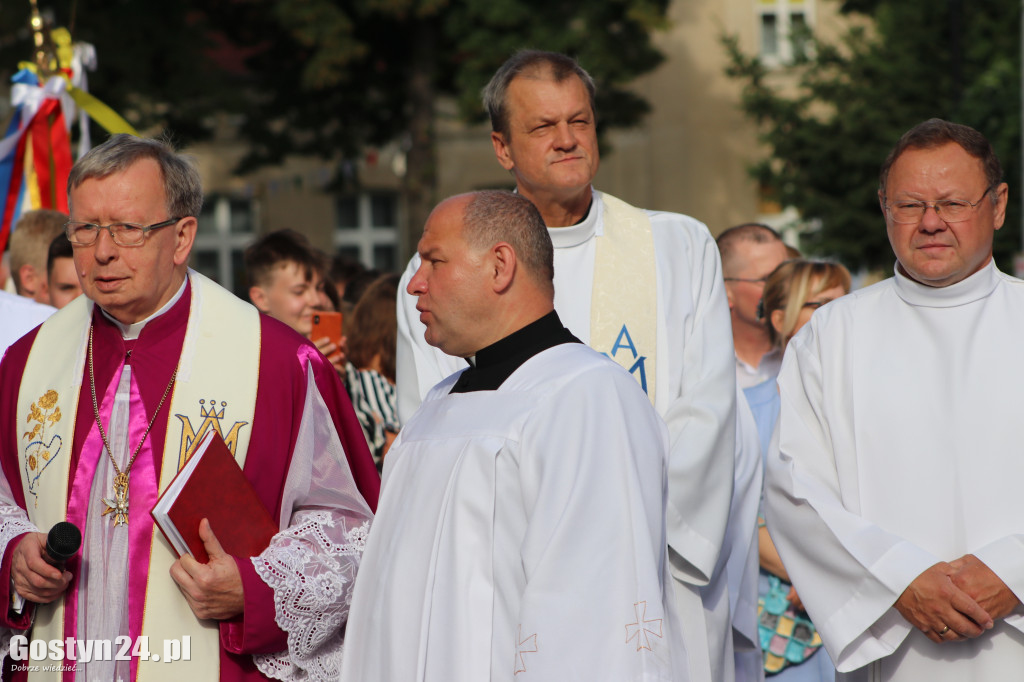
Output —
<point x="118" y="505"/>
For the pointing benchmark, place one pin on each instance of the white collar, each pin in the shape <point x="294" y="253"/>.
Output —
<point x="130" y="332"/>
<point x="591" y="226"/>
<point x="968" y="290"/>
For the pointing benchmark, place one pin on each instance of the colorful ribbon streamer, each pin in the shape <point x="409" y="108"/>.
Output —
<point x="35" y="153"/>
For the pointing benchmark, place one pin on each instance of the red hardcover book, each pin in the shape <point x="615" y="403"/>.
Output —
<point x="212" y="486"/>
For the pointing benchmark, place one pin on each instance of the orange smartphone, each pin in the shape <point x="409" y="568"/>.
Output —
<point x="327" y="324"/>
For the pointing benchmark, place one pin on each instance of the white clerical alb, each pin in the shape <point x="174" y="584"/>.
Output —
<point x="694" y="380"/>
<point x="521" y="535"/>
<point x="897" y="449"/>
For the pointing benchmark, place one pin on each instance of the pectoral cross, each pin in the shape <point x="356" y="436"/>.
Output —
<point x="119" y="505"/>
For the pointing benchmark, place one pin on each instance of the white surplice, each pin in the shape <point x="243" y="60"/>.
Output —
<point x="696" y="395"/>
<point x="521" y="534"/>
<point x="740" y="562"/>
<point x="897" y="448"/>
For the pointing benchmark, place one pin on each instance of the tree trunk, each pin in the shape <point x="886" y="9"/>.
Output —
<point x="420" y="181"/>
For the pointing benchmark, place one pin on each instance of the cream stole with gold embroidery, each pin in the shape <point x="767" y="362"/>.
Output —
<point x="624" y="302"/>
<point x="219" y="364"/>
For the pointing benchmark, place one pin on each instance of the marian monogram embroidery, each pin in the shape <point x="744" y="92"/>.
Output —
<point x="624" y="343"/>
<point x="210" y="419"/>
<point x="642" y="627"/>
<point x="42" y="448"/>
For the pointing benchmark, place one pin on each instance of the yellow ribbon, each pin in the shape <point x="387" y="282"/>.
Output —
<point x="109" y="119"/>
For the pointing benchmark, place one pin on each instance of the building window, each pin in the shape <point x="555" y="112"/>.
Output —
<point x="769" y="35"/>
<point x="226" y="226"/>
<point x="784" y="29"/>
<point x="367" y="228"/>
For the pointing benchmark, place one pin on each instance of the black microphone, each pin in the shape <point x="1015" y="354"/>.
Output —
<point x="62" y="542"/>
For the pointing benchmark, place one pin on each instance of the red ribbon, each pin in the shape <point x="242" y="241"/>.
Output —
<point x="51" y="151"/>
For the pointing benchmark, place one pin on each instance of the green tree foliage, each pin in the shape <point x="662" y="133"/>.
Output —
<point x="953" y="59"/>
<point x="332" y="77"/>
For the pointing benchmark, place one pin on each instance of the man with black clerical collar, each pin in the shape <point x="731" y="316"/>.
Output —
<point x="101" y="406"/>
<point x="521" y="528"/>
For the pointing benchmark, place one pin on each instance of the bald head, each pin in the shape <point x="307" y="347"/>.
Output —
<point x="734" y="242"/>
<point x="493" y="216"/>
<point x="486" y="271"/>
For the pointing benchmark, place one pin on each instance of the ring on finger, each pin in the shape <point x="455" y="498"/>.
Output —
<point x="943" y="631"/>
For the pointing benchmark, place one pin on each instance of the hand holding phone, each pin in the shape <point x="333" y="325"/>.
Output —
<point x="327" y="324"/>
<point x="326" y="334"/>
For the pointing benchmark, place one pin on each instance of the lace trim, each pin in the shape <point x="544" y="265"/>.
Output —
<point x="312" y="577"/>
<point x="14" y="523"/>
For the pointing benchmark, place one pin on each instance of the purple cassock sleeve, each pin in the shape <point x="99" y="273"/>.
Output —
<point x="285" y="360"/>
<point x="11" y="369"/>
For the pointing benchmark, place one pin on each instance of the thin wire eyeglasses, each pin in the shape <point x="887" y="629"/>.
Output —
<point x="948" y="210"/>
<point x="123" y="234"/>
<point x="759" y="280"/>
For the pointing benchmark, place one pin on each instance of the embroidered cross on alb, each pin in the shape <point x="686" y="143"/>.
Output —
<point x="521" y="648"/>
<point x="642" y="627"/>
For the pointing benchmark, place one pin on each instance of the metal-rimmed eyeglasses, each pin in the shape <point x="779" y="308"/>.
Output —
<point x="948" y="210"/>
<point x="759" y="280"/>
<point x="123" y="234"/>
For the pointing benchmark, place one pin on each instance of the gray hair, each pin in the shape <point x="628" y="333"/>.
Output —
<point x="182" y="185"/>
<point x="493" y="216"/>
<point x="536" y="64"/>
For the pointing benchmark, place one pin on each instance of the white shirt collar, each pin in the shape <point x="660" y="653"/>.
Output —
<point x="590" y="226"/>
<point x="130" y="332"/>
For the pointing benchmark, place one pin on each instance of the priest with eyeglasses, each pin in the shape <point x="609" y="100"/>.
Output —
<point x="100" y="407"/>
<point x="893" y="493"/>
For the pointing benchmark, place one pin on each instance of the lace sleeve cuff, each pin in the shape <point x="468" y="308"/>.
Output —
<point x="311" y="567"/>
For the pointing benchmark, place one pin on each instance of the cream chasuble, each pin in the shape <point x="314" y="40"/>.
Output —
<point x="215" y="343"/>
<point x="898" y="448"/>
<point x="624" y="305"/>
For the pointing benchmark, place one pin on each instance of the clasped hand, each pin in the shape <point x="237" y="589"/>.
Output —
<point x="953" y="601"/>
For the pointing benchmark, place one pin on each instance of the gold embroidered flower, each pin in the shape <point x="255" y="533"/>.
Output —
<point x="48" y="400"/>
<point x="32" y="462"/>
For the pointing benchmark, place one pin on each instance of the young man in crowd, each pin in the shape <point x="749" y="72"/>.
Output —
<point x="61" y="277"/>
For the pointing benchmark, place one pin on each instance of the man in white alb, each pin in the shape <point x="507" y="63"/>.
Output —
<point x="894" y="499"/>
<point x="521" y="531"/>
<point x="750" y="252"/>
<point x="644" y="288"/>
